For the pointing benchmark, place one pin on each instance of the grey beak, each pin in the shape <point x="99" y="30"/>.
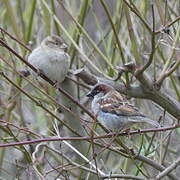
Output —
<point x="64" y="46"/>
<point x="89" y="94"/>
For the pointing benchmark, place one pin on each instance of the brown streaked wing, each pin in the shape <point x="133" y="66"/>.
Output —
<point x="120" y="109"/>
<point x="112" y="98"/>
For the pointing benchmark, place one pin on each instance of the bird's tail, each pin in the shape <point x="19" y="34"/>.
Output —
<point x="152" y="122"/>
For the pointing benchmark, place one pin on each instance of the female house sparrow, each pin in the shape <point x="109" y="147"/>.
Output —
<point x="113" y="110"/>
<point x="51" y="58"/>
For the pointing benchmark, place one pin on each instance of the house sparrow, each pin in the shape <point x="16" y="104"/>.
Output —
<point x="51" y="58"/>
<point x="113" y="110"/>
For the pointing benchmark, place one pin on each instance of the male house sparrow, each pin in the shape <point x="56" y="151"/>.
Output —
<point x="114" y="111"/>
<point x="51" y="58"/>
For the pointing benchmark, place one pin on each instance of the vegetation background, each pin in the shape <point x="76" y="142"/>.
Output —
<point x="46" y="134"/>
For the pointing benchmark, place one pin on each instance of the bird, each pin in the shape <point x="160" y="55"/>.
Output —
<point x="113" y="110"/>
<point x="51" y="58"/>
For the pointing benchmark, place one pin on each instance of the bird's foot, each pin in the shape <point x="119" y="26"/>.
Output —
<point x="56" y="85"/>
<point x="24" y="73"/>
<point x="128" y="130"/>
<point x="39" y="72"/>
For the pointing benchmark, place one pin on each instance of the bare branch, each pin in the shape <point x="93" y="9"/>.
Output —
<point x="86" y="76"/>
<point x="167" y="73"/>
<point x="168" y="25"/>
<point x="138" y="15"/>
<point x="152" y="45"/>
<point x="155" y="165"/>
<point x="45" y="78"/>
<point x="145" y="90"/>
<point x="85" y="138"/>
<point x="168" y="169"/>
<point x="12" y="37"/>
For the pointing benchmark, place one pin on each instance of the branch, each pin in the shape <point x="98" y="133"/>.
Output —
<point x="89" y="138"/>
<point x="167" y="73"/>
<point x="138" y="15"/>
<point x="155" y="165"/>
<point x="145" y="90"/>
<point x="45" y="77"/>
<point x="111" y="135"/>
<point x="25" y="130"/>
<point x="166" y="66"/>
<point x="152" y="45"/>
<point x="168" y="169"/>
<point x="22" y="44"/>
<point x="102" y="174"/>
<point x="168" y="25"/>
<point x="44" y="93"/>
<point x="122" y="176"/>
<point x="85" y="76"/>
<point x="38" y="103"/>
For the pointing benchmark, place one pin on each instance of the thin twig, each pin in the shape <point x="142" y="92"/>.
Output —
<point x="168" y="169"/>
<point x="152" y="45"/>
<point x="116" y="36"/>
<point x="138" y="15"/>
<point x="139" y="91"/>
<point x="12" y="37"/>
<point x="163" y="75"/>
<point x="110" y="135"/>
<point x="155" y="165"/>
<point x="46" y="78"/>
<point x="168" y="73"/>
<point x="38" y="103"/>
<point x="167" y="25"/>
<point x="5" y="123"/>
<point x="47" y="95"/>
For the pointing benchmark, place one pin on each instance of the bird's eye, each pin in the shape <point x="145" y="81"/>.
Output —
<point x="96" y="91"/>
<point x="56" y="43"/>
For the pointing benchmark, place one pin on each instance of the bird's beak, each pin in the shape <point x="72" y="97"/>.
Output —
<point x="89" y="94"/>
<point x="65" y="47"/>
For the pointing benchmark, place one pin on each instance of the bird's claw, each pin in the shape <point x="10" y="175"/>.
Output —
<point x="39" y="72"/>
<point x="56" y="85"/>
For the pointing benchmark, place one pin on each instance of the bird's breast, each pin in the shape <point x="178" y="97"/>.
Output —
<point x="112" y="121"/>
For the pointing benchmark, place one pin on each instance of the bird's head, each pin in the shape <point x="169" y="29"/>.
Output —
<point x="100" y="90"/>
<point x="55" y="42"/>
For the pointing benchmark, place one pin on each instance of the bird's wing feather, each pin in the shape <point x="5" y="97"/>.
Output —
<point x="116" y="104"/>
<point x="127" y="110"/>
<point x="121" y="109"/>
<point x="112" y="98"/>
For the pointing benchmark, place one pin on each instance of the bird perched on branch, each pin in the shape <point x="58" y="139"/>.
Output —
<point x="113" y="110"/>
<point x="51" y="58"/>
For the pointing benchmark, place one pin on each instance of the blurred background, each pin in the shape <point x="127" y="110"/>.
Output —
<point x="101" y="36"/>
